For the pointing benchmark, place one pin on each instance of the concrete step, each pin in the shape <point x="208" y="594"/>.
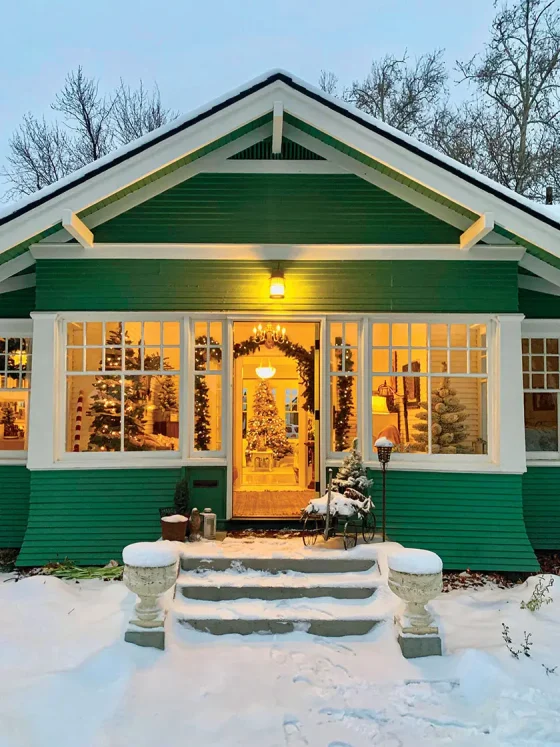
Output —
<point x="280" y="565"/>
<point x="334" y="628"/>
<point x="226" y="586"/>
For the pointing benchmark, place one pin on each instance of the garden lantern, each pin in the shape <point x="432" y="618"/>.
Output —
<point x="384" y="448"/>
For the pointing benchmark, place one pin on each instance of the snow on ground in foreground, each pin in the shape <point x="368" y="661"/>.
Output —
<point x="68" y="678"/>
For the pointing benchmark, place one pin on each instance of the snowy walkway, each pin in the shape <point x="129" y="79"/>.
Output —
<point x="69" y="680"/>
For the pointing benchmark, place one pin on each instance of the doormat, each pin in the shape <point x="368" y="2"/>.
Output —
<point x="270" y="503"/>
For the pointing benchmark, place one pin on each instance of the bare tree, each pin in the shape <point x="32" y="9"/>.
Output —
<point x="404" y="95"/>
<point x="90" y="126"/>
<point x="517" y="83"/>
<point x="328" y="82"/>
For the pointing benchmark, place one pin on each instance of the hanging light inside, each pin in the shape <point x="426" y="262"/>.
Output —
<point x="265" y="372"/>
<point x="379" y="405"/>
<point x="277" y="288"/>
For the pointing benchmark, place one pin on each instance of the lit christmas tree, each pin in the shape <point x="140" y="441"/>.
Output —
<point x="448" y="428"/>
<point x="267" y="429"/>
<point x="105" y="429"/>
<point x="352" y="474"/>
<point x="345" y="399"/>
<point x="9" y="421"/>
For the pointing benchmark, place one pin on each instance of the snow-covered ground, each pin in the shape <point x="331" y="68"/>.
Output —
<point x="68" y="678"/>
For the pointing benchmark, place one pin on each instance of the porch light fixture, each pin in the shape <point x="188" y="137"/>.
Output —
<point x="384" y="448"/>
<point x="265" y="372"/>
<point x="277" y="288"/>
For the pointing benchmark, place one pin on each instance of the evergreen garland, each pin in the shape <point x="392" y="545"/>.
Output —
<point x="341" y="415"/>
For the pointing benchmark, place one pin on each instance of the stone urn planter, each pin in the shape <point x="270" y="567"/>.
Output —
<point x="150" y="570"/>
<point x="415" y="577"/>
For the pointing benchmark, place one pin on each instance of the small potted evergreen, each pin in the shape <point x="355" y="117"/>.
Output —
<point x="174" y="520"/>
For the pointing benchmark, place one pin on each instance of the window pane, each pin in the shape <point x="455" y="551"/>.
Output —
<point x="537" y="345"/>
<point x="458" y="336"/>
<point x="350" y="333"/>
<point x="94" y="359"/>
<point x="541" y="422"/>
<point x="525" y="345"/>
<point x="75" y="333"/>
<point x="151" y="413"/>
<point x="343" y="412"/>
<point x="459" y="413"/>
<point x="13" y="420"/>
<point x="399" y="335"/>
<point x="419" y="335"/>
<point x="438" y="335"/>
<point x="201" y="330"/>
<point x="552" y="363"/>
<point x="113" y="359"/>
<point x="526" y="363"/>
<point x="380" y="361"/>
<point x="438" y="361"/>
<point x="412" y="405"/>
<point x="113" y="333"/>
<point x="75" y="359"/>
<point x="477" y="335"/>
<point x="208" y="413"/>
<point x="400" y="360"/>
<point x="537" y="363"/>
<point x="93" y="413"/>
<point x="552" y="381"/>
<point x="132" y="359"/>
<point x="458" y="361"/>
<point x="478" y="361"/>
<point x="200" y="358"/>
<point x="552" y="346"/>
<point x="381" y="335"/>
<point x="94" y="333"/>
<point x="152" y="333"/>
<point x="537" y="381"/>
<point x="172" y="359"/>
<point x="171" y="333"/>
<point x="133" y="333"/>
<point x="216" y="333"/>
<point x="152" y="359"/>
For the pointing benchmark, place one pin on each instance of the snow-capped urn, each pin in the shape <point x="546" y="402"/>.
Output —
<point x="150" y="570"/>
<point x="352" y="474"/>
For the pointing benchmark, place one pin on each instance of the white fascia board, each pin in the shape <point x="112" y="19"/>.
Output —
<point x="476" y="232"/>
<point x="378" y="179"/>
<point x="13" y="266"/>
<point x="416" y="167"/>
<point x="277" y="124"/>
<point x="540" y="285"/>
<point x="210" y="162"/>
<point x="18" y="283"/>
<point x="540" y="268"/>
<point x="16" y="327"/>
<point x="302" y="252"/>
<point x="273" y="167"/>
<point x="137" y="167"/>
<point x="77" y="229"/>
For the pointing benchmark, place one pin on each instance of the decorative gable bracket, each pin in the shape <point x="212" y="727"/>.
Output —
<point x="475" y="233"/>
<point x="77" y="229"/>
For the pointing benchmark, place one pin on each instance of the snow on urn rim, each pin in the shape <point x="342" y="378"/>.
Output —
<point x="149" y="555"/>
<point x="418" y="562"/>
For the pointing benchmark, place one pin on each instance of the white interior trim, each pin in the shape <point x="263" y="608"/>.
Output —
<point x="77" y="229"/>
<point x="479" y="229"/>
<point x="18" y="283"/>
<point x="13" y="266"/>
<point x="303" y="252"/>
<point x="277" y="124"/>
<point x="538" y="284"/>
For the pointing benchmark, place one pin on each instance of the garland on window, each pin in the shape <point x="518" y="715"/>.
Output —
<point x="304" y="358"/>
<point x="345" y="397"/>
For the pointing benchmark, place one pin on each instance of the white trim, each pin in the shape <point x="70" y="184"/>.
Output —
<point x="18" y="283"/>
<point x="19" y="461"/>
<point x="540" y="285"/>
<point x="303" y="252"/>
<point x="277" y="123"/>
<point x="387" y="183"/>
<point x="77" y="229"/>
<point x="505" y="392"/>
<point x="479" y="229"/>
<point x="540" y="328"/>
<point x="286" y="166"/>
<point x="16" y="328"/>
<point x="540" y="268"/>
<point x="44" y="416"/>
<point x="13" y="266"/>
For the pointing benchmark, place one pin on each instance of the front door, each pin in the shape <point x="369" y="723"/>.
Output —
<point x="275" y="424"/>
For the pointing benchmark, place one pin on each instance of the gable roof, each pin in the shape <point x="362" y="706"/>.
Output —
<point x="324" y="117"/>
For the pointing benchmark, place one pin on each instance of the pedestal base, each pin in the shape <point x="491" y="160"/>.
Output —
<point x="150" y="637"/>
<point x="415" y="646"/>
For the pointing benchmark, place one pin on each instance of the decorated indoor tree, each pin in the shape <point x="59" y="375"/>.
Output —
<point x="352" y="475"/>
<point x="448" y="428"/>
<point x="9" y="420"/>
<point x="105" y="428"/>
<point x="267" y="429"/>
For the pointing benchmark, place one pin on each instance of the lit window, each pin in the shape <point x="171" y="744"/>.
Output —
<point x="343" y="343"/>
<point x="541" y="385"/>
<point x="122" y="386"/>
<point x="429" y="387"/>
<point x="15" y="367"/>
<point x="208" y="365"/>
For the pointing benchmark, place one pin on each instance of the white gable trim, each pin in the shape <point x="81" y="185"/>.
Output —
<point x="539" y="285"/>
<point x="540" y="268"/>
<point x="18" y="283"/>
<point x="13" y="266"/>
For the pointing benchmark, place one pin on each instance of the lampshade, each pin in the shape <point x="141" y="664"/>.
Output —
<point x="277" y="284"/>
<point x="379" y="405"/>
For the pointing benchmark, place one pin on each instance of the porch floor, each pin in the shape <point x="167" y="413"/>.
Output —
<point x="270" y="503"/>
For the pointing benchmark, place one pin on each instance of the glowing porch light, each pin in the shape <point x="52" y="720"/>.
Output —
<point x="277" y="288"/>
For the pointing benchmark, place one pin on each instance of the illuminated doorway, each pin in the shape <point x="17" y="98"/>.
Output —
<point x="275" y="425"/>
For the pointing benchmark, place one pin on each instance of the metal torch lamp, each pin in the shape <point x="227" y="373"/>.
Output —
<point x="384" y="449"/>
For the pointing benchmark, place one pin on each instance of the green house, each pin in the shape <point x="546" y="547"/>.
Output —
<point x="237" y="296"/>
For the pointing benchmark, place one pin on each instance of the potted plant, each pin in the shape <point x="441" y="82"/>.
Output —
<point x="174" y="519"/>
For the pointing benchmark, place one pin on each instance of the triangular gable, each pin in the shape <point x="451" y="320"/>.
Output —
<point x="263" y="152"/>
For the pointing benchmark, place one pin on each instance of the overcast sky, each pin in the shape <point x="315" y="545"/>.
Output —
<point x="196" y="51"/>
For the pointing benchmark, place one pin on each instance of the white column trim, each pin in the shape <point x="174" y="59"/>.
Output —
<point x="507" y="395"/>
<point x="43" y="410"/>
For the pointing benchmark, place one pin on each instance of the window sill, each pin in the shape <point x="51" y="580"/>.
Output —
<point x="555" y="462"/>
<point x="19" y="461"/>
<point x="104" y="461"/>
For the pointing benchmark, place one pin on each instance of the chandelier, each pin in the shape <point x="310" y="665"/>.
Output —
<point x="269" y="335"/>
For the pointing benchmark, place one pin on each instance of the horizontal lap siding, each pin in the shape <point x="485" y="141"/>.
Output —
<point x="14" y="504"/>
<point x="224" y="285"/>
<point x="539" y="305"/>
<point x="541" y="506"/>
<point x="471" y="520"/>
<point x="17" y="304"/>
<point x="89" y="516"/>
<point x="277" y="208"/>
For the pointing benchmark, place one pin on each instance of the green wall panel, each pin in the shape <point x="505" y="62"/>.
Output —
<point x="541" y="506"/>
<point x="471" y="520"/>
<point x="14" y="504"/>
<point x="208" y="489"/>
<point x="17" y="304"/>
<point x="223" y="285"/>
<point x="277" y="208"/>
<point x="538" y="305"/>
<point x="90" y="515"/>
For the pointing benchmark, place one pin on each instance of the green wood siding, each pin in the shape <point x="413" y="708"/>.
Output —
<point x="541" y="506"/>
<point x="14" y="504"/>
<point x="539" y="305"/>
<point x="263" y="152"/>
<point x="369" y="286"/>
<point x="277" y="209"/>
<point x="17" y="304"/>
<point x="471" y="520"/>
<point x="90" y="515"/>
